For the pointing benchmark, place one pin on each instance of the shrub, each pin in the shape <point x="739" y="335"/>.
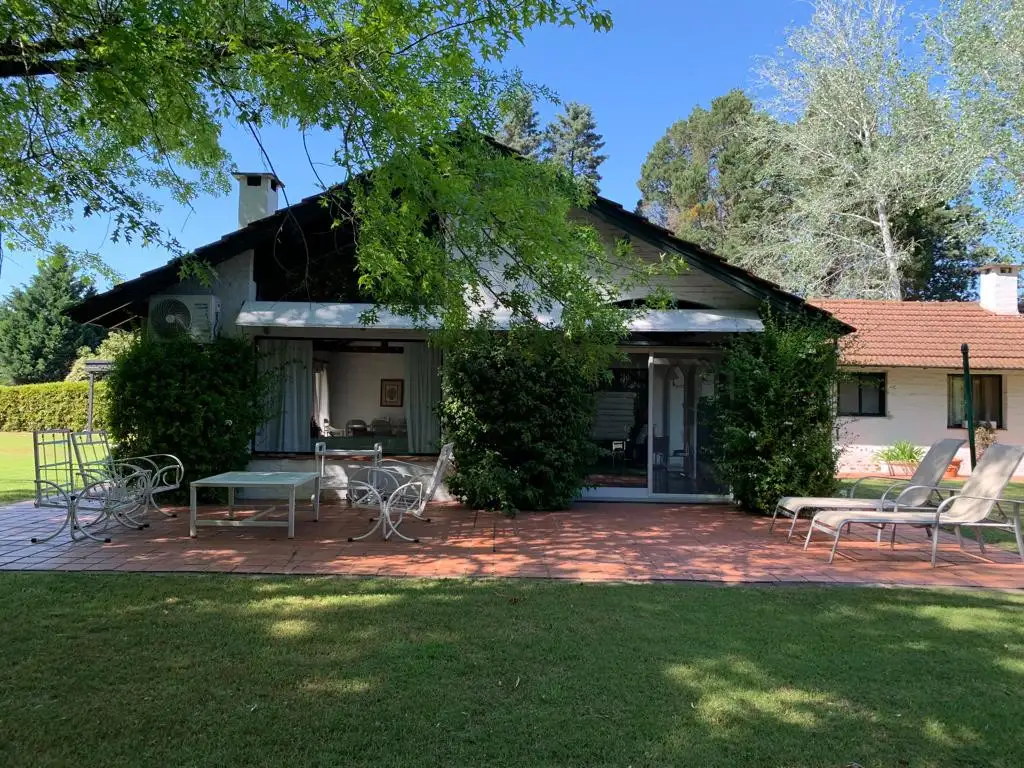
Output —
<point x="518" y="408"/>
<point x="984" y="438"/>
<point x="112" y="347"/>
<point x="773" y="417"/>
<point x="900" y="452"/>
<point x="201" y="403"/>
<point x="58" y="405"/>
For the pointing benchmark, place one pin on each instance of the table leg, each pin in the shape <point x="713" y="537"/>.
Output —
<point x="291" y="512"/>
<point x="231" y="503"/>
<point x="316" y="499"/>
<point x="192" y="511"/>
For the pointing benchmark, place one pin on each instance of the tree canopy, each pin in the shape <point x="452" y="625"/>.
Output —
<point x="37" y="341"/>
<point x="102" y="102"/>
<point x="703" y="180"/>
<point x="572" y="142"/>
<point x="520" y="127"/>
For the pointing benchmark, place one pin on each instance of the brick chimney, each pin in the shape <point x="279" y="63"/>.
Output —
<point x="997" y="288"/>
<point x="257" y="196"/>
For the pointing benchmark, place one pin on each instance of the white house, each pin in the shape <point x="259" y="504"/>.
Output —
<point x="286" y="279"/>
<point x="906" y="368"/>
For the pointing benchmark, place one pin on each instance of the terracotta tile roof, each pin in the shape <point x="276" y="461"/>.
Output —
<point x="927" y="334"/>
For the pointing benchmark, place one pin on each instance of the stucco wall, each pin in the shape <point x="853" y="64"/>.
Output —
<point x="916" y="403"/>
<point x="233" y="286"/>
<point x="354" y="381"/>
<point x="689" y="285"/>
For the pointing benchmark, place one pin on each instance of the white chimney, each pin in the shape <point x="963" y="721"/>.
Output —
<point x="997" y="288"/>
<point x="257" y="196"/>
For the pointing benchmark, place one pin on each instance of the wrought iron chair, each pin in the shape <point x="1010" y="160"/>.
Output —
<point x="88" y="507"/>
<point x="95" y="461"/>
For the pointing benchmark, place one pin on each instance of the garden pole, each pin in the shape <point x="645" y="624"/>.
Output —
<point x="969" y="403"/>
<point x="88" y="413"/>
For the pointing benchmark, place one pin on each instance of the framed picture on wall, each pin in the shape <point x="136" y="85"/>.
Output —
<point x="391" y="393"/>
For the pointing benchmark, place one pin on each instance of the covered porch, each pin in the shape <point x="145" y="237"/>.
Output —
<point x="591" y="542"/>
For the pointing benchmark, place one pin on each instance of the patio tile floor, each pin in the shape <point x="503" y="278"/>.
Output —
<point x="591" y="542"/>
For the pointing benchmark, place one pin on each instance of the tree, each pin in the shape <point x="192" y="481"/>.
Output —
<point x="572" y="142"/>
<point x="520" y="128"/>
<point x="946" y="249"/>
<point x="37" y="341"/>
<point x="979" y="45"/>
<point x="703" y="181"/>
<point x="116" y="344"/>
<point x="863" y="141"/>
<point x="101" y="102"/>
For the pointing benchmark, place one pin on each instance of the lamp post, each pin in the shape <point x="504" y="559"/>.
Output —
<point x="969" y="403"/>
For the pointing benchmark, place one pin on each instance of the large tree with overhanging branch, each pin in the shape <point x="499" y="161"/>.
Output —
<point x="864" y="138"/>
<point x="102" y="101"/>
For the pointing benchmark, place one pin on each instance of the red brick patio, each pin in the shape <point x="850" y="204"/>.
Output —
<point x="592" y="542"/>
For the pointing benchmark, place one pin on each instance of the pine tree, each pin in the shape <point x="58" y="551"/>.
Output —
<point x="521" y="127"/>
<point x="37" y="341"/>
<point x="572" y="141"/>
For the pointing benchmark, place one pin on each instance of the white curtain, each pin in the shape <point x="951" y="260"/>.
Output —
<point x="422" y="394"/>
<point x="289" y="364"/>
<point x="321" y="395"/>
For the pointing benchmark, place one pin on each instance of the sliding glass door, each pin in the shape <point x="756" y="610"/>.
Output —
<point x="679" y="457"/>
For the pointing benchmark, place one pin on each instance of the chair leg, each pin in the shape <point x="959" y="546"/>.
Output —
<point x="835" y="544"/>
<point x="935" y="545"/>
<point x="1019" y="535"/>
<point x="959" y="537"/>
<point x="979" y="534"/>
<point x="775" y="516"/>
<point x="792" y="526"/>
<point x="810" y="531"/>
<point x="892" y="537"/>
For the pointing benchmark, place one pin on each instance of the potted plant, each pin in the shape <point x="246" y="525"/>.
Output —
<point x="901" y="458"/>
<point x="953" y="470"/>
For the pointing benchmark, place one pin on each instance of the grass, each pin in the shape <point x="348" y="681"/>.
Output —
<point x="139" y="669"/>
<point x="873" y="488"/>
<point x="17" y="471"/>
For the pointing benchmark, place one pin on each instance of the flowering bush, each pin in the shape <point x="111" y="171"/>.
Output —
<point x="773" y="418"/>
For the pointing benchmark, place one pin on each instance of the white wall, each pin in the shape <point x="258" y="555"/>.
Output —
<point x="233" y="286"/>
<point x="354" y="381"/>
<point x="690" y="285"/>
<point x="916" y="403"/>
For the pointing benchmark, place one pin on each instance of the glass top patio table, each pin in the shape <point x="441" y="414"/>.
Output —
<point x="232" y="480"/>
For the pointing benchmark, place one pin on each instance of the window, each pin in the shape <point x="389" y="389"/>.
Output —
<point x="988" y="400"/>
<point x="862" y="394"/>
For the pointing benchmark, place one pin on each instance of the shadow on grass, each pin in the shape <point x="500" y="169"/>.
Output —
<point x="135" y="669"/>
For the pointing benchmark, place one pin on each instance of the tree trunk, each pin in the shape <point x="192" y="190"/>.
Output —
<point x="894" y="290"/>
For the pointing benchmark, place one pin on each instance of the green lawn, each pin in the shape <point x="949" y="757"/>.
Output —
<point x="17" y="472"/>
<point x="130" y="670"/>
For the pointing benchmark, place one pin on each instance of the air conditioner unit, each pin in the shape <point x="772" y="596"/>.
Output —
<point x="198" y="316"/>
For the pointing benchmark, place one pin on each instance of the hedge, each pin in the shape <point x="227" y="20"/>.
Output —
<point x="50" y="406"/>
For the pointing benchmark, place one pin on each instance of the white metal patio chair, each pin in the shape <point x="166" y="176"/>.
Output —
<point x="972" y="507"/>
<point x="90" y="506"/>
<point x="398" y="496"/>
<point x="165" y="472"/>
<point x="917" y="491"/>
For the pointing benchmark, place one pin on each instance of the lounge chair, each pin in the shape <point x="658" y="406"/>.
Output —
<point x="914" y="491"/>
<point x="971" y="507"/>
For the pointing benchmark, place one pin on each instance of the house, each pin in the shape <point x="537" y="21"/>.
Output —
<point x="905" y="369"/>
<point x="286" y="279"/>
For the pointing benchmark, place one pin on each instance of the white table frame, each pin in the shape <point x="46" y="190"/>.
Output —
<point x="234" y="480"/>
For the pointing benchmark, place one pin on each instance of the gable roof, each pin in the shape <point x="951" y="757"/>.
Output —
<point x="927" y="334"/>
<point x="124" y="299"/>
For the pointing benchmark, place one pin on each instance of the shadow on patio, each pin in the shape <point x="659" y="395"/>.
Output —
<point x="592" y="542"/>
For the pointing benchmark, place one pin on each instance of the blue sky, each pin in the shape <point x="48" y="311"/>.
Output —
<point x="662" y="58"/>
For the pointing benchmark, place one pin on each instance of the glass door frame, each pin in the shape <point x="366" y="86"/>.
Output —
<point x="648" y="493"/>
